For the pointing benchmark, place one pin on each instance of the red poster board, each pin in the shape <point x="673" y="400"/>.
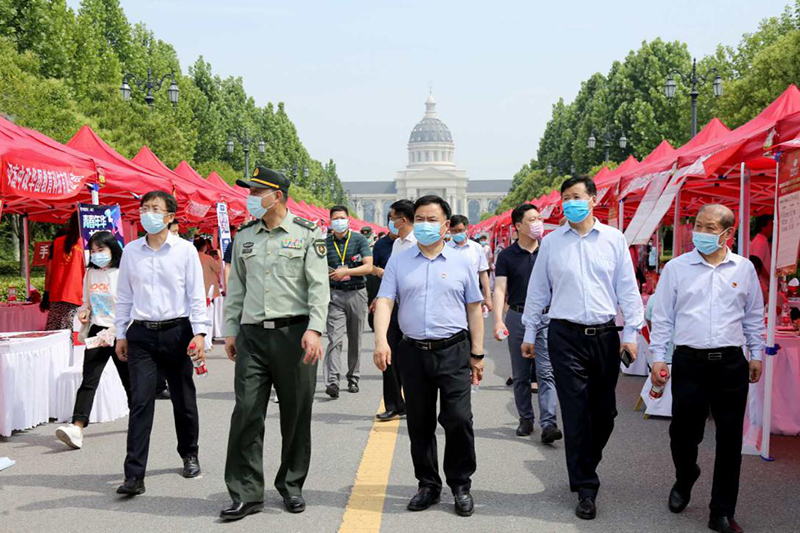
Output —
<point x="788" y="213"/>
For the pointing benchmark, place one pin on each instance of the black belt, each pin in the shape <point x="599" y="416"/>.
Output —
<point x="439" y="344"/>
<point x="521" y="309"/>
<point x="278" y="323"/>
<point x="712" y="354"/>
<point x="589" y="331"/>
<point x="350" y="288"/>
<point x="162" y="325"/>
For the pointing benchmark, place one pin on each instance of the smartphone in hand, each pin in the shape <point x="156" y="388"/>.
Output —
<point x="627" y="358"/>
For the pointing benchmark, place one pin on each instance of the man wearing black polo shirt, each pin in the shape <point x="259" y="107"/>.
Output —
<point x="349" y="260"/>
<point x="513" y="270"/>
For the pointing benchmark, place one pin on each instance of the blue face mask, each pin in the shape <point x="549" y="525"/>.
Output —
<point x="254" y="206"/>
<point x="706" y="243"/>
<point x="101" y="259"/>
<point x="427" y="233"/>
<point x="392" y="228"/>
<point x="458" y="238"/>
<point x="340" y="225"/>
<point x="153" y="222"/>
<point x="576" y="210"/>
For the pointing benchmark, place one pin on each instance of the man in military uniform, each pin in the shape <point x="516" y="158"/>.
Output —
<point x="275" y="313"/>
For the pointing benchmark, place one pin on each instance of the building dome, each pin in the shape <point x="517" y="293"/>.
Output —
<point x="430" y="128"/>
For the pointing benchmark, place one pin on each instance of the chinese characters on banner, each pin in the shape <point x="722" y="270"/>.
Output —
<point x="94" y="218"/>
<point x="788" y="213"/>
<point x="224" y="227"/>
<point x="41" y="251"/>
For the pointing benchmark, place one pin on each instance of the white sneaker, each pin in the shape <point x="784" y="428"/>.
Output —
<point x="71" y="435"/>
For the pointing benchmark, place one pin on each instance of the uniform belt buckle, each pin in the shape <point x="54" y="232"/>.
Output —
<point x="269" y="324"/>
<point x="590" y="332"/>
<point x="152" y="326"/>
<point x="715" y="356"/>
<point x="425" y="345"/>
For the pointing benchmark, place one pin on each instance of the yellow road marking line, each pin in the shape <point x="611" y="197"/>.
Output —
<point x="364" y="510"/>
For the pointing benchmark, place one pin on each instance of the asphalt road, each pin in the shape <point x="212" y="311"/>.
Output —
<point x="520" y="484"/>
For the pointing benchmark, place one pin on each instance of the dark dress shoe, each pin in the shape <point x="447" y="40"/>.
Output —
<point x="550" y="434"/>
<point x="131" y="487"/>
<point x="388" y="415"/>
<point x="464" y="503"/>
<point x="163" y="395"/>
<point x="525" y="427"/>
<point x="586" y="509"/>
<point x="724" y="524"/>
<point x="352" y="387"/>
<point x="509" y="382"/>
<point x="423" y="499"/>
<point x="239" y="510"/>
<point x="679" y="496"/>
<point x="191" y="466"/>
<point x="332" y="391"/>
<point x="295" y="504"/>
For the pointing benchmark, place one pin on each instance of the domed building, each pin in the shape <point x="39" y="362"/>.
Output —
<point x="431" y="169"/>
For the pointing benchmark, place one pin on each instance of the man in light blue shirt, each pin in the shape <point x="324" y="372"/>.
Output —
<point x="436" y="289"/>
<point x="583" y="272"/>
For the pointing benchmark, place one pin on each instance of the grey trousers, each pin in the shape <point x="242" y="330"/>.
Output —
<point x="347" y="313"/>
<point x="522" y="370"/>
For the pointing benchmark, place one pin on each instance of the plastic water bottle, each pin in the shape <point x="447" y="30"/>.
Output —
<point x="786" y="314"/>
<point x="200" y="369"/>
<point x="475" y="388"/>
<point x="502" y="334"/>
<point x="657" y="391"/>
<point x="12" y="294"/>
<point x="485" y="309"/>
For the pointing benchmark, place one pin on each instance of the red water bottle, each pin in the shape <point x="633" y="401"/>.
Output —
<point x="657" y="391"/>
<point x="199" y="366"/>
<point x="502" y="334"/>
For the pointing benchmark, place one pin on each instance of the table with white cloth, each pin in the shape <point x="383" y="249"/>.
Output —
<point x="30" y="364"/>
<point x="21" y="317"/>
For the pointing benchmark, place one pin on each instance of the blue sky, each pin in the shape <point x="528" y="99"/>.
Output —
<point x="354" y="74"/>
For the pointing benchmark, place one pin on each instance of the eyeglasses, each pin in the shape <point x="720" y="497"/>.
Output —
<point x="154" y="210"/>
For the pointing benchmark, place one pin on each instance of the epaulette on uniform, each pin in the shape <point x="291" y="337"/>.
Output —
<point x="248" y="224"/>
<point x="300" y="221"/>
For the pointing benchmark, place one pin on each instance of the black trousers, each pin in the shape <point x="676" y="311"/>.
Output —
<point x="700" y="384"/>
<point x="94" y="362"/>
<point x="446" y="374"/>
<point x="392" y="382"/>
<point x="586" y="369"/>
<point x="149" y="351"/>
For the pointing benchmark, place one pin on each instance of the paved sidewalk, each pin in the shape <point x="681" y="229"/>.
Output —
<point x="520" y="484"/>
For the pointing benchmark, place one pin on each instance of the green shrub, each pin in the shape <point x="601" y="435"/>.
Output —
<point x="15" y="281"/>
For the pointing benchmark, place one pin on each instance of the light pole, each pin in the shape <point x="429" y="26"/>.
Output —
<point x="695" y="80"/>
<point x="609" y="135"/>
<point x="245" y="140"/>
<point x="150" y="84"/>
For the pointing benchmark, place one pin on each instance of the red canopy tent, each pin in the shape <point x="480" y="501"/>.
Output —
<point x="235" y="202"/>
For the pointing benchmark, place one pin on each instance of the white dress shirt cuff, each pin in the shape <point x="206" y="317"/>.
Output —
<point x="630" y="335"/>
<point x="658" y="357"/>
<point x="756" y="355"/>
<point x="530" y="336"/>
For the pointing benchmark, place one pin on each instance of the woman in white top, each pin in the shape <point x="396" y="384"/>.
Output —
<point x="99" y="308"/>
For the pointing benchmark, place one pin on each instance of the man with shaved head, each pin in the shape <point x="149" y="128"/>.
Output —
<point x="710" y="301"/>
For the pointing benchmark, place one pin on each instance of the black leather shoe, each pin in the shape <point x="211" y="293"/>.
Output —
<point x="525" y="427"/>
<point x="163" y="395"/>
<point x="550" y="434"/>
<point x="679" y="496"/>
<point x="239" y="510"/>
<point x="586" y="509"/>
<point x="389" y="415"/>
<point x="191" y="466"/>
<point x="724" y="524"/>
<point x="464" y="503"/>
<point x="352" y="387"/>
<point x="509" y="382"/>
<point x="131" y="487"/>
<point x="295" y="504"/>
<point x="332" y="391"/>
<point x="423" y="499"/>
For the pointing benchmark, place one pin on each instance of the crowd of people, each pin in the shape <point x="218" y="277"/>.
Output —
<point x="427" y="288"/>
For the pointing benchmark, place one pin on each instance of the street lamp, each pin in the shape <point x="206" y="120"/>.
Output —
<point x="695" y="80"/>
<point x="608" y="135"/>
<point x="245" y="140"/>
<point x="150" y="84"/>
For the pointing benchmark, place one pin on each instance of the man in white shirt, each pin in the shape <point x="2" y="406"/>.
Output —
<point x="461" y="242"/>
<point x="583" y="272"/>
<point x="161" y="323"/>
<point x="760" y="245"/>
<point x="404" y="227"/>
<point x="710" y="300"/>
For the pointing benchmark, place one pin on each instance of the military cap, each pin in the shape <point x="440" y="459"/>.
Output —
<point x="265" y="178"/>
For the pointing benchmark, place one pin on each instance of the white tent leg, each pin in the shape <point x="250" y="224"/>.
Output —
<point x="676" y="227"/>
<point x="26" y="238"/>
<point x="744" y="212"/>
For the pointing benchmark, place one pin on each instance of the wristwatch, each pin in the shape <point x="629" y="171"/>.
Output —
<point x="478" y="357"/>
